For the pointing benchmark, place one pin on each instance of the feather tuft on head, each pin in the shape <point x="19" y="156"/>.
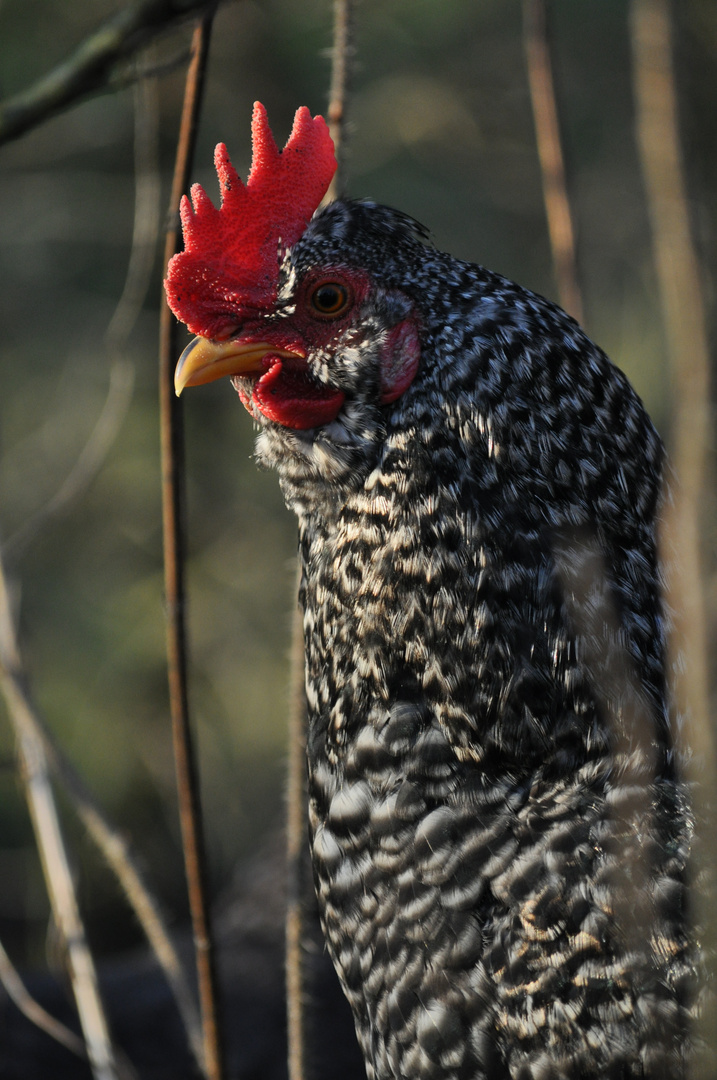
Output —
<point x="229" y="269"/>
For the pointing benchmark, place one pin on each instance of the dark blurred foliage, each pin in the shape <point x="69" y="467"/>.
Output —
<point x="442" y="128"/>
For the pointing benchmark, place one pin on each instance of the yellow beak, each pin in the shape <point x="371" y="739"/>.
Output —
<point x="204" y="361"/>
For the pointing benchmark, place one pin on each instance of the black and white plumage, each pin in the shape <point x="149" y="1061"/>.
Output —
<point x="498" y="832"/>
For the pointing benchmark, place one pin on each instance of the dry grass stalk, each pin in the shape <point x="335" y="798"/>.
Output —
<point x="550" y="153"/>
<point x="680" y="284"/>
<point x="172" y="449"/>
<point x="50" y="843"/>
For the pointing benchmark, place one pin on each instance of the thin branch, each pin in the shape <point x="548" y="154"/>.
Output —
<point x="296" y="848"/>
<point x="112" y="844"/>
<point x="680" y="285"/>
<point x="341" y="69"/>
<point x="147" y="186"/>
<point x="119" y="856"/>
<point x="136" y="286"/>
<point x="174" y="547"/>
<point x="92" y="66"/>
<point x="58" y="876"/>
<point x="18" y="992"/>
<point x="550" y="153"/>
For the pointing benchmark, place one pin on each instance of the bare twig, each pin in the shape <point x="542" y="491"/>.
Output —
<point x="155" y="66"/>
<point x="145" y="233"/>
<point x="174" y="547"/>
<point x="296" y="847"/>
<point x="58" y="876"/>
<point x="18" y="992"/>
<point x="547" y="132"/>
<point x="137" y="281"/>
<point x="92" y="66"/>
<point x="342" y="55"/>
<point x="680" y="284"/>
<point x="112" y="844"/>
<point x="119" y="856"/>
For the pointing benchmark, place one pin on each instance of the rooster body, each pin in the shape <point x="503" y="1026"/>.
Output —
<point x="498" y="833"/>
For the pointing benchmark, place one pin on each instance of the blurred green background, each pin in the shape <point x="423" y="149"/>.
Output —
<point x="442" y="128"/>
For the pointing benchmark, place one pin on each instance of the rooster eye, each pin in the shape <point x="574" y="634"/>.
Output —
<point x="330" y="298"/>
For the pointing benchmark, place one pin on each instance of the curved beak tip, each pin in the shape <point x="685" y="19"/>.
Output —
<point x="187" y="367"/>
<point x="204" y="361"/>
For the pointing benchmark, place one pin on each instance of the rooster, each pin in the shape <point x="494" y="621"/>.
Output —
<point x="498" y="831"/>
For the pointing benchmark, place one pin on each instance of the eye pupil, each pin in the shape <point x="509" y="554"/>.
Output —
<point x="330" y="299"/>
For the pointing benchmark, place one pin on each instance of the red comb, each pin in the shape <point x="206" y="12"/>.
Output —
<point x="230" y="263"/>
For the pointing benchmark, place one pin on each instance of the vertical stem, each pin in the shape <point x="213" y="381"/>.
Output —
<point x="172" y="447"/>
<point x="552" y="166"/>
<point x="296" y="845"/>
<point x="342" y="53"/>
<point x="115" y="848"/>
<point x="680" y="284"/>
<point x="50" y="843"/>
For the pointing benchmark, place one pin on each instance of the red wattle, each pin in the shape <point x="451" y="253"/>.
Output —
<point x="287" y="395"/>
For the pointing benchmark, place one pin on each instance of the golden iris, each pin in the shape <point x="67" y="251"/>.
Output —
<point x="330" y="298"/>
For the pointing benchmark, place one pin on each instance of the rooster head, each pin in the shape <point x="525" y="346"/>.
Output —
<point x="257" y="317"/>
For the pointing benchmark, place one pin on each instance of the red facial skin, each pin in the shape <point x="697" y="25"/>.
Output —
<point x="284" y="390"/>
<point x="287" y="394"/>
